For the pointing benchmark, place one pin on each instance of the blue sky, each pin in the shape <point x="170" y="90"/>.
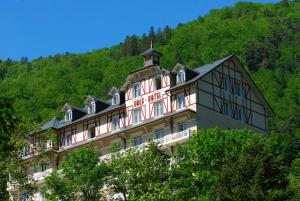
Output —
<point x="36" y="28"/>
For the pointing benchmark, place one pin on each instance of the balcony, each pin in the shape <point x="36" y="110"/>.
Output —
<point x="38" y="176"/>
<point x="167" y="140"/>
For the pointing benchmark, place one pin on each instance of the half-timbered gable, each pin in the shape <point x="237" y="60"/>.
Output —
<point x="155" y="104"/>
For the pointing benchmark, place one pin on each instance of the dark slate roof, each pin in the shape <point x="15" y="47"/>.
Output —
<point x="151" y="51"/>
<point x="87" y="116"/>
<point x="54" y="123"/>
<point x="201" y="71"/>
<point x="208" y="67"/>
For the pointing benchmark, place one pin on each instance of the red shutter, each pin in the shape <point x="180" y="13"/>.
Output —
<point x="187" y="94"/>
<point x="129" y="115"/>
<point x="151" y="110"/>
<point x="165" y="103"/>
<point x="173" y="103"/>
<point x="109" y="124"/>
<point x="129" y="94"/>
<point x="74" y="136"/>
<point x="143" y="90"/>
<point x="150" y="80"/>
<point x="165" y="82"/>
<point x="143" y="112"/>
<point x="122" y="120"/>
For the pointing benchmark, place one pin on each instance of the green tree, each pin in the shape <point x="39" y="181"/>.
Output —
<point x="140" y="175"/>
<point x="252" y="174"/>
<point x="81" y="177"/>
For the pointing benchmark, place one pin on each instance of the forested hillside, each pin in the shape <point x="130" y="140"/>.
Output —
<point x="266" y="38"/>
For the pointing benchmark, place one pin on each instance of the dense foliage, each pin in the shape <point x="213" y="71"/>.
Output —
<point x="266" y="38"/>
<point x="215" y="164"/>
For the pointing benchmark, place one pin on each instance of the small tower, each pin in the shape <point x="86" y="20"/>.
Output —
<point x="151" y="56"/>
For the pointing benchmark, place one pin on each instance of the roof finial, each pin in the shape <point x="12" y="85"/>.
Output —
<point x="151" y="44"/>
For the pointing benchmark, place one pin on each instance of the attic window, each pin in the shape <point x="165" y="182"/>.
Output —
<point x="157" y="82"/>
<point x="116" y="99"/>
<point x="92" y="108"/>
<point x="180" y="76"/>
<point x="68" y="115"/>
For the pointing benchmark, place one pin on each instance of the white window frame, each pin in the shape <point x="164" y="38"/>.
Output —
<point x="68" y="116"/>
<point x="157" y="112"/>
<point x="116" y="99"/>
<point x="180" y="77"/>
<point x="114" y="120"/>
<point x="156" y="78"/>
<point x="184" y="126"/>
<point x="179" y="104"/>
<point x="92" y="108"/>
<point x="137" y="90"/>
<point x="135" y="119"/>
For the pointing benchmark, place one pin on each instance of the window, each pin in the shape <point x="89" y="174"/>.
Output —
<point x="137" y="117"/>
<point x="92" y="108"/>
<point x="227" y="109"/>
<point x="138" y="140"/>
<point x="24" y="197"/>
<point x="68" y="115"/>
<point x="69" y="139"/>
<point x="226" y="84"/>
<point x="240" y="113"/>
<point x="158" y="109"/>
<point x="44" y="167"/>
<point x="180" y="76"/>
<point x="181" y="101"/>
<point x="92" y="132"/>
<point x="115" y="123"/>
<point x="137" y="90"/>
<point x="157" y="82"/>
<point x="182" y="127"/>
<point x="159" y="134"/>
<point x="25" y="150"/>
<point x="116" y="99"/>
<point x="239" y="89"/>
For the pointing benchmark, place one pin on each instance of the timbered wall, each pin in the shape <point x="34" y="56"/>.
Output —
<point x="212" y="96"/>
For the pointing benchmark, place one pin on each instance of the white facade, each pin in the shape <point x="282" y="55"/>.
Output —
<point x="163" y="106"/>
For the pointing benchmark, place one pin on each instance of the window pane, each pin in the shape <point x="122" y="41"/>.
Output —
<point x="159" y="133"/>
<point x="138" y="140"/>
<point x="158" y="109"/>
<point x="158" y="83"/>
<point x="137" y="116"/>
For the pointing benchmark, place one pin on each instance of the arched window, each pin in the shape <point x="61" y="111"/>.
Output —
<point x="116" y="99"/>
<point x="180" y="76"/>
<point x="92" y="108"/>
<point x="68" y="115"/>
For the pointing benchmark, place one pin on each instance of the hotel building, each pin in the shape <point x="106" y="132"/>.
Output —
<point x="155" y="104"/>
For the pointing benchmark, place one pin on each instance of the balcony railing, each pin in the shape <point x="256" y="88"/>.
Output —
<point x="167" y="140"/>
<point x="41" y="175"/>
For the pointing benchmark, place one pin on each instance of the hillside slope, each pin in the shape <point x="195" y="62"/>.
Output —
<point x="266" y="37"/>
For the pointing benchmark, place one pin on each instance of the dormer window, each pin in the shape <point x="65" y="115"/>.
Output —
<point x="157" y="82"/>
<point x="68" y="115"/>
<point x="116" y="99"/>
<point x="180" y="76"/>
<point x="137" y="90"/>
<point x="92" y="108"/>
